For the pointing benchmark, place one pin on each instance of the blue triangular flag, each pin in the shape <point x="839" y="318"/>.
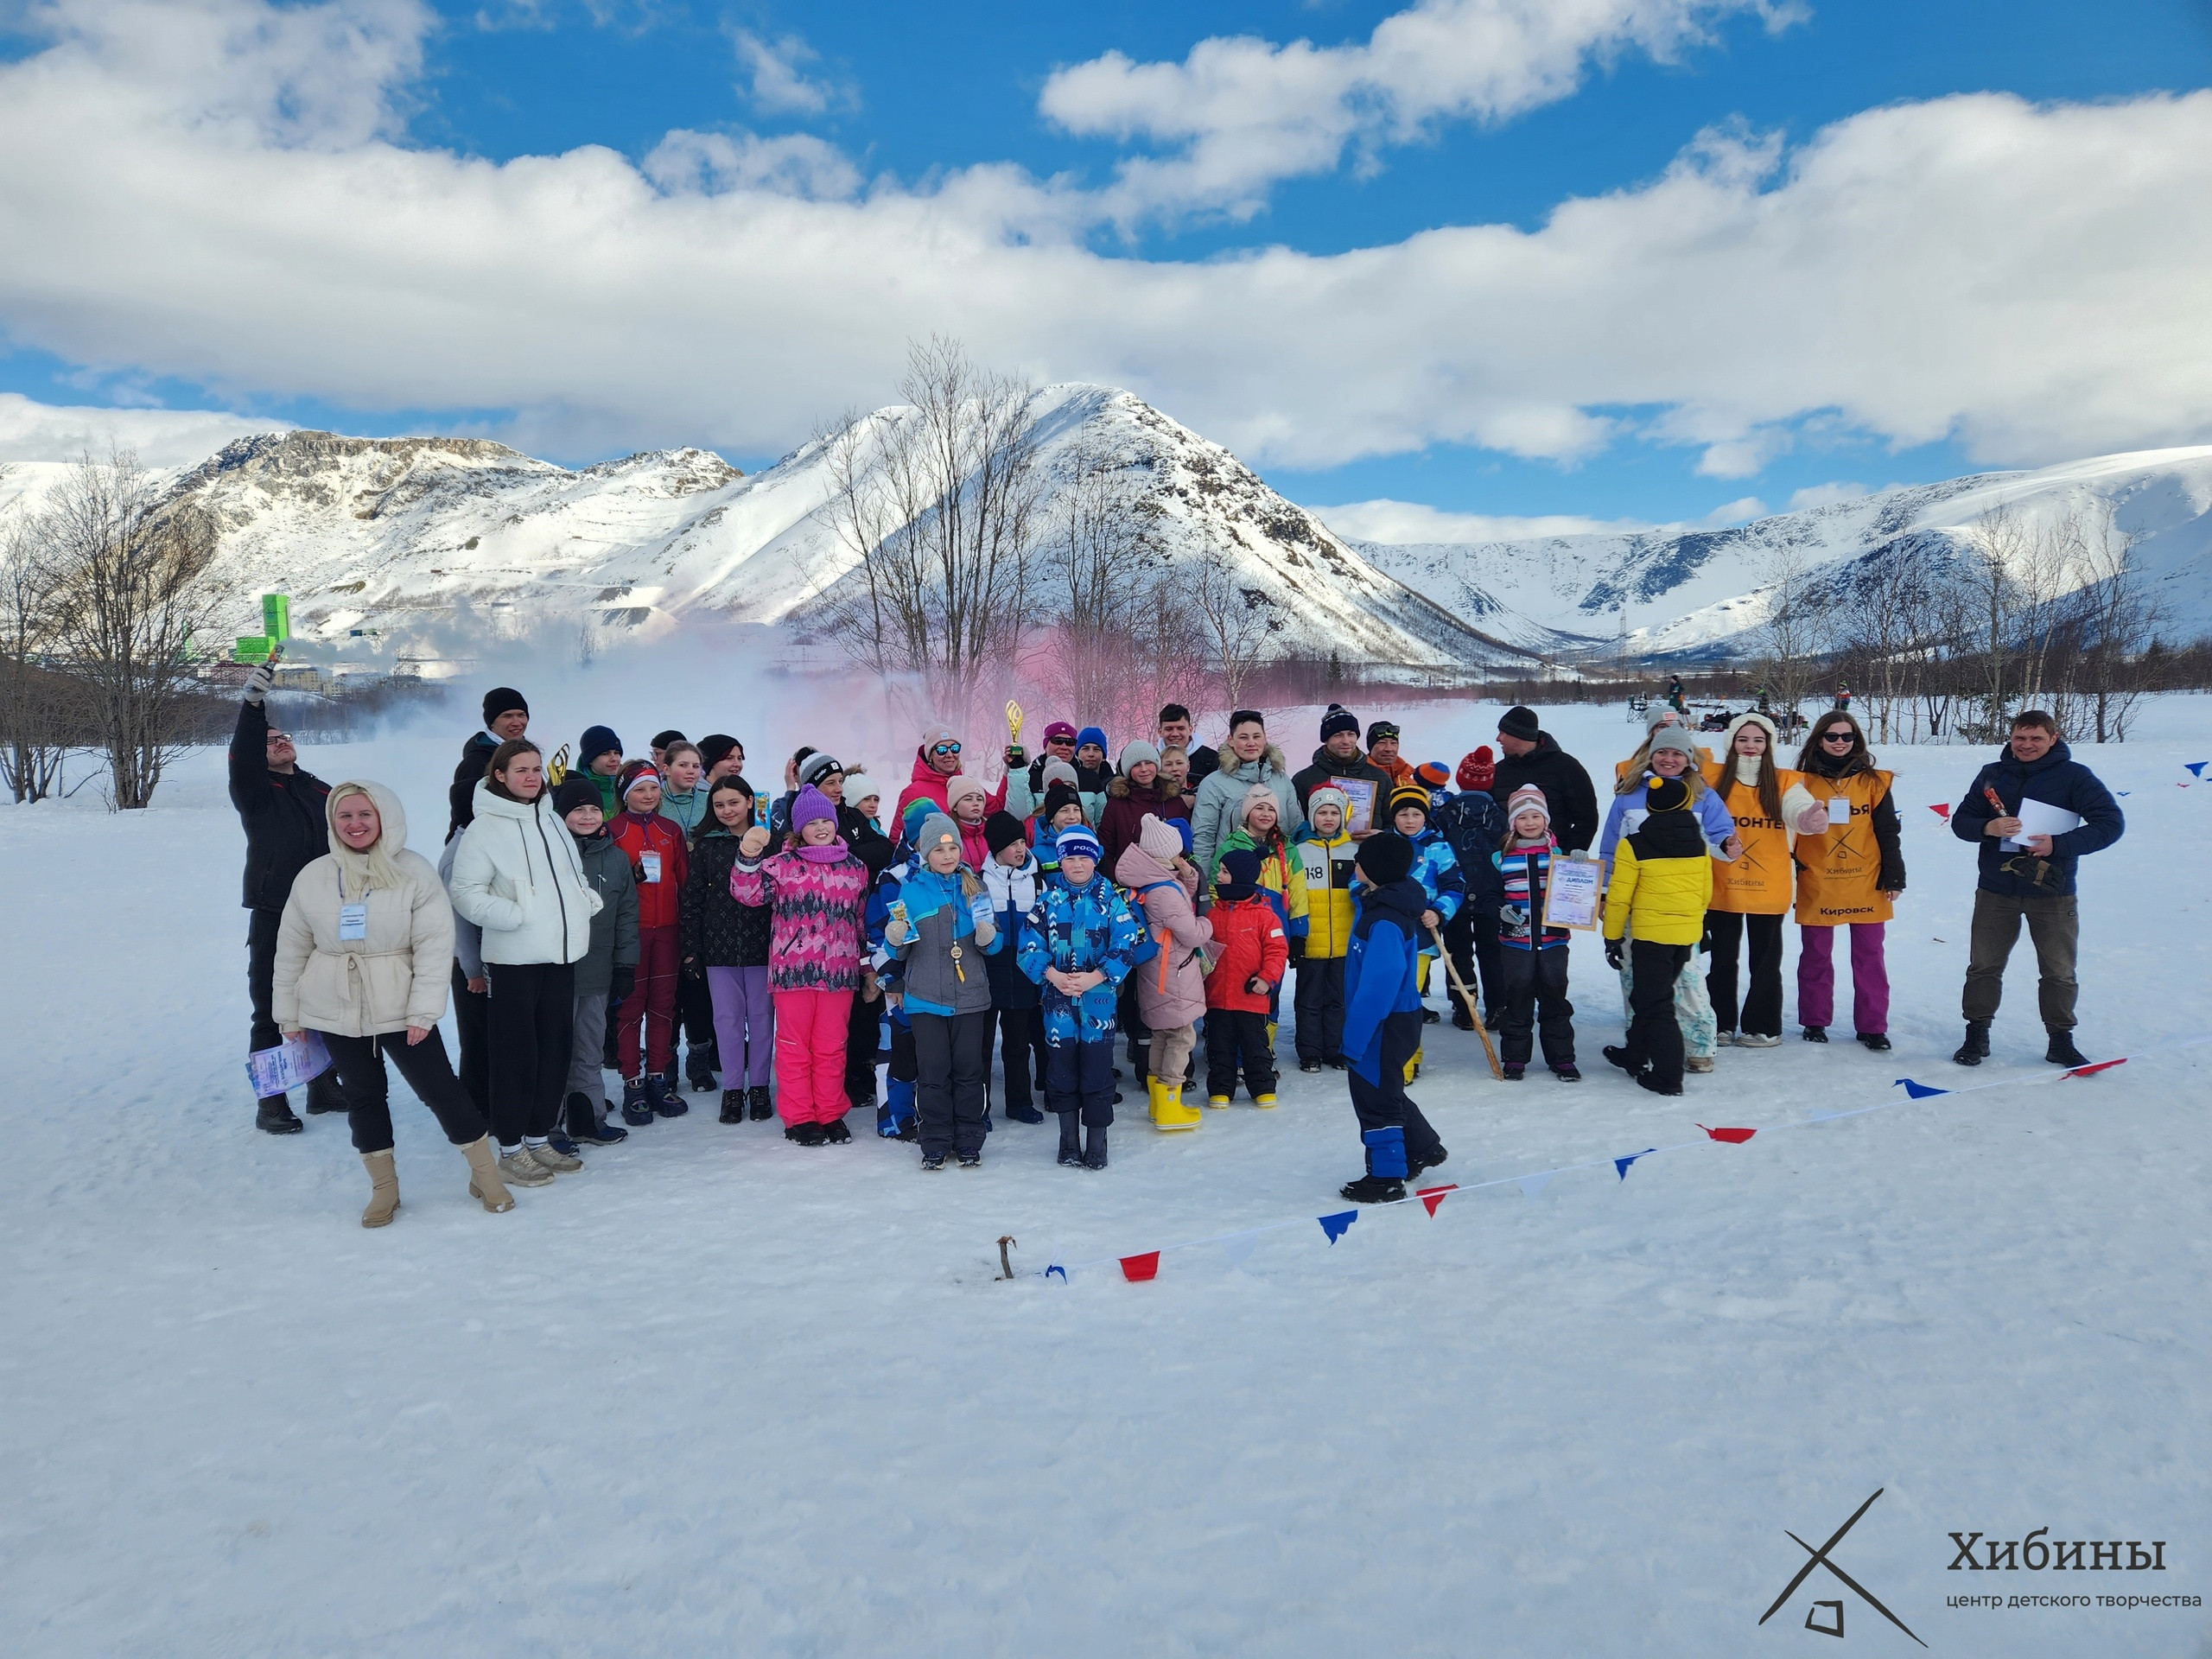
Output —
<point x="1621" y="1164"/>
<point x="2197" y="767"/>
<point x="1920" y="1090"/>
<point x="2124" y="791"/>
<point x="1057" y="1268"/>
<point x="1334" y="1225"/>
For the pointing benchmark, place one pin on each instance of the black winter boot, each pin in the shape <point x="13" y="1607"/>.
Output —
<point x="1878" y="1041"/>
<point x="757" y="1104"/>
<point x="1816" y="1033"/>
<point x="699" y="1070"/>
<point x="1070" y="1141"/>
<point x="1094" y="1147"/>
<point x="835" y="1133"/>
<point x="2062" y="1050"/>
<point x="733" y="1105"/>
<point x="1373" y="1189"/>
<point x="1416" y="1165"/>
<point x="324" y="1096"/>
<point x="274" y="1116"/>
<point x="1975" y="1049"/>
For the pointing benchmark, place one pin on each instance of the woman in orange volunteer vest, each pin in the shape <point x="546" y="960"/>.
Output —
<point x="1848" y="875"/>
<point x="1751" y="894"/>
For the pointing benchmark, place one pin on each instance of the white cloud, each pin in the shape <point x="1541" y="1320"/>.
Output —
<point x="1741" y="511"/>
<point x="161" y="437"/>
<point x="1826" y="495"/>
<point x="1242" y="113"/>
<point x="2027" y="281"/>
<point x="778" y="85"/>
<point x="1410" y="524"/>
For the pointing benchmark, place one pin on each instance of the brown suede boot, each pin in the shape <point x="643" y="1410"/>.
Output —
<point x="484" y="1181"/>
<point x="384" y="1188"/>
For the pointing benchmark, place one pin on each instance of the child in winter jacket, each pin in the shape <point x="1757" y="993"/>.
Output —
<point x="727" y="943"/>
<point x="599" y="760"/>
<point x="1437" y="871"/>
<point x="1663" y="883"/>
<point x="659" y="860"/>
<point x="1250" y="954"/>
<point x="1079" y="941"/>
<point x="816" y="895"/>
<point x="1382" y="1008"/>
<point x="941" y="929"/>
<point x="1141" y="791"/>
<point x="607" y="971"/>
<point x="1171" y="988"/>
<point x="967" y="799"/>
<point x="1535" y="965"/>
<point x="1325" y="852"/>
<point x="1011" y="876"/>
<point x="895" y="1118"/>
<point x="1474" y="823"/>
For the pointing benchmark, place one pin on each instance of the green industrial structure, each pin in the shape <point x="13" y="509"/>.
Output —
<point x="275" y="628"/>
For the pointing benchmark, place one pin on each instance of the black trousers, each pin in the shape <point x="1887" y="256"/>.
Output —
<point x="1471" y="938"/>
<point x="1533" y="983"/>
<point x="1317" y="1004"/>
<point x="1653" y="1034"/>
<point x="695" y="1012"/>
<point x="261" y="976"/>
<point x="952" y="1052"/>
<point x="472" y="1017"/>
<point x="1384" y="1107"/>
<point x="360" y="1062"/>
<point x="863" y="1031"/>
<point x="1235" y="1039"/>
<point x="532" y="1025"/>
<point x="1079" y="1078"/>
<point x="1761" y="1013"/>
<point x="1136" y="1034"/>
<point x="1022" y="1053"/>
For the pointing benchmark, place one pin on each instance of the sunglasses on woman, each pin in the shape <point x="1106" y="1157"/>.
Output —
<point x="946" y="748"/>
<point x="1836" y="735"/>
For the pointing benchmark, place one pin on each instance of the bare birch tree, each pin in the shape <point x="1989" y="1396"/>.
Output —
<point x="2118" y="622"/>
<point x="1238" y="620"/>
<point x="37" y="710"/>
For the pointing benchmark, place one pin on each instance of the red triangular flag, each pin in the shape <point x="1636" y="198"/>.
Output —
<point x="1432" y="1196"/>
<point x="1733" y="1137"/>
<point x="1137" y="1267"/>
<point x="1943" y="811"/>
<point x="2092" y="1070"/>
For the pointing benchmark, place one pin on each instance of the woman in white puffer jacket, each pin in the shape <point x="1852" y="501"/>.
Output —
<point x="362" y="955"/>
<point x="517" y="875"/>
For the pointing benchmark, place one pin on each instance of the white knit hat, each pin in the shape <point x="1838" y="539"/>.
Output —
<point x="1527" y="798"/>
<point x="1159" y="838"/>
<point x="859" y="787"/>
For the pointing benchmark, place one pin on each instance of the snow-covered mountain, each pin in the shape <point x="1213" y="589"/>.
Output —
<point x="400" y="535"/>
<point x="1705" y="592"/>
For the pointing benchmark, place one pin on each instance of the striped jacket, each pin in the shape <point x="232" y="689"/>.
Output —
<point x="1526" y="872"/>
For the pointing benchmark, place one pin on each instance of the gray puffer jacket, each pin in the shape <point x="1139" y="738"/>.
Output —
<point x="614" y="927"/>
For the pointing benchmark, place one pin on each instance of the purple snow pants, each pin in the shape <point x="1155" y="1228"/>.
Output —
<point x="745" y="1024"/>
<point x="1869" y="977"/>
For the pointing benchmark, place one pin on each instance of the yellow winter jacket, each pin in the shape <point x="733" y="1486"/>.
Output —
<point x="1326" y="864"/>
<point x="1660" y="901"/>
<point x="1282" y="878"/>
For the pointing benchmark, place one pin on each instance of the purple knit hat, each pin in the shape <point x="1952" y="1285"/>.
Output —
<point x="810" y="804"/>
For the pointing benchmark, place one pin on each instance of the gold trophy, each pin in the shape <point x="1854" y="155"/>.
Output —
<point x="1013" y="721"/>
<point x="557" y="770"/>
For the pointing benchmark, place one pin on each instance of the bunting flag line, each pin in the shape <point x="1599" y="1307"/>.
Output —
<point x="1941" y="810"/>
<point x="1238" y="1246"/>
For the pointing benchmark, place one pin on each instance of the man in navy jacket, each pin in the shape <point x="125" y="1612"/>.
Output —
<point x="2034" y="885"/>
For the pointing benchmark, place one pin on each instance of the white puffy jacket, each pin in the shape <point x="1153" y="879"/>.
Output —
<point x="517" y="876"/>
<point x="392" y="978"/>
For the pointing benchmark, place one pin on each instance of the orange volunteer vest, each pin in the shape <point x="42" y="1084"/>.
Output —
<point x="1839" y="874"/>
<point x="1761" y="881"/>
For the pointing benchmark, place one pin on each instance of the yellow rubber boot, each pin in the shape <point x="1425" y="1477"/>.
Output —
<point x="1169" y="1113"/>
<point x="1265" y="1103"/>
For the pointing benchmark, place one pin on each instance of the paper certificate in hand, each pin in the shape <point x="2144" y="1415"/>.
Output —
<point x="1360" y="793"/>
<point x="1573" y="897"/>
<point x="2042" y="818"/>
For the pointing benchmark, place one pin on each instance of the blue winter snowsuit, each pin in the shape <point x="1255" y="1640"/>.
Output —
<point x="1077" y="929"/>
<point x="1382" y="1027"/>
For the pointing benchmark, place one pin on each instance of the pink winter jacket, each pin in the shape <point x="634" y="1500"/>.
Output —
<point x="816" y="897"/>
<point x="1172" y="987"/>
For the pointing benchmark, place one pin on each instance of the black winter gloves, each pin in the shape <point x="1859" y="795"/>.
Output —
<point x="624" y="982"/>
<point x="1613" y="954"/>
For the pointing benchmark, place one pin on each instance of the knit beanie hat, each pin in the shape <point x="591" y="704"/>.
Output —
<point x="1673" y="737"/>
<point x="1521" y="723"/>
<point x="1379" y="730"/>
<point x="859" y="787"/>
<point x="1329" y="794"/>
<point x="910" y="821"/>
<point x="1058" y="796"/>
<point x="1159" y="839"/>
<point x="1661" y="713"/>
<point x="817" y="766"/>
<point x="632" y="775"/>
<point x="1256" y="795"/>
<point x="936" y="830"/>
<point x="1238" y="876"/>
<point x="1001" y="830"/>
<point x="714" y="748"/>
<point x="1058" y="772"/>
<point x="1091" y="735"/>
<point x="1059" y="728"/>
<point x="500" y="700"/>
<point x="1409" y="795"/>
<point x="1432" y="775"/>
<point x="662" y="740"/>
<point x="597" y="740"/>
<point x="1478" y="770"/>
<point x="934" y="736"/>
<point x="1666" y="795"/>
<point x="1135" y="753"/>
<point x="1385" y="858"/>
<point x="1338" y="719"/>
<point x="1527" y="798"/>
<point x="574" y="791"/>
<point x="810" y="804"/>
<point x="959" y="788"/>
<point x="1079" y="841"/>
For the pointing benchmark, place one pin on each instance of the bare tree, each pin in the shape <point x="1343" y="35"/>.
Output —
<point x="130" y="597"/>
<point x="939" y="503"/>
<point x="1238" y="621"/>
<point x="2118" y="623"/>
<point x="1793" y="633"/>
<point x="38" y="710"/>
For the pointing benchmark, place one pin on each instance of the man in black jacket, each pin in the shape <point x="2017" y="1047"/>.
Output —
<point x="1173" y="732"/>
<point x="1339" y="758"/>
<point x="282" y="808"/>
<point x="506" y="715"/>
<point x="1532" y="757"/>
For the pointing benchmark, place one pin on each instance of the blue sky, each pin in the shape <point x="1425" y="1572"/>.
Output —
<point x="920" y="94"/>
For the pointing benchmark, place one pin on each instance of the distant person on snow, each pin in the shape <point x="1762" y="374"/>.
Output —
<point x="282" y="810"/>
<point x="2034" y="884"/>
<point x="506" y="715"/>
<point x="362" y="955"/>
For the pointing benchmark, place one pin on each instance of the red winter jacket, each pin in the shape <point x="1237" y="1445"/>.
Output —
<point x="1248" y="940"/>
<point x="927" y="784"/>
<point x="660" y="904"/>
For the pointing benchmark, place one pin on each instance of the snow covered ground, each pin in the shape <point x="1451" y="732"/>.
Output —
<point x="721" y="1394"/>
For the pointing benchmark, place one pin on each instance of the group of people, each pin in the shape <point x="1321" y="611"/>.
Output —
<point x="601" y="911"/>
